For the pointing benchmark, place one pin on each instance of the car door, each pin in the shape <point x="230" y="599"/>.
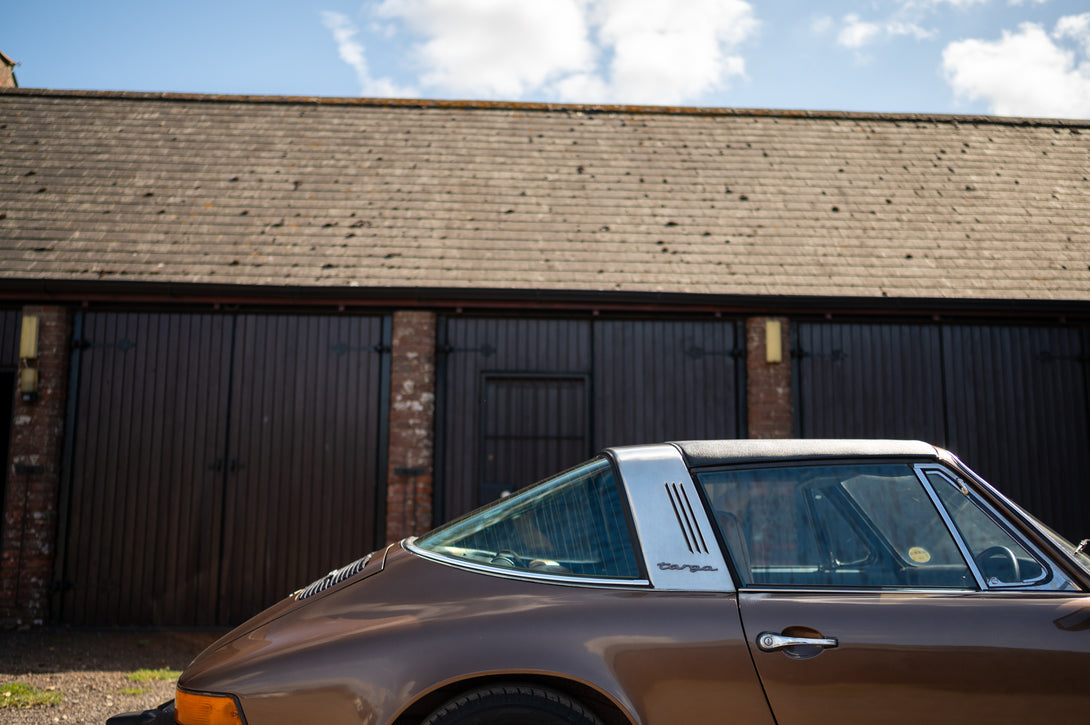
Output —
<point x="868" y="593"/>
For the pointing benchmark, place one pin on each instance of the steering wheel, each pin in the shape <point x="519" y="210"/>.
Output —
<point x="506" y="557"/>
<point x="999" y="553"/>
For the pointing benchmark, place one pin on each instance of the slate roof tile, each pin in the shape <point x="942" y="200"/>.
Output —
<point x="349" y="193"/>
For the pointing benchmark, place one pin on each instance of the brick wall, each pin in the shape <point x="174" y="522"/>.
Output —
<point x="768" y="385"/>
<point x="412" y="425"/>
<point x="30" y="525"/>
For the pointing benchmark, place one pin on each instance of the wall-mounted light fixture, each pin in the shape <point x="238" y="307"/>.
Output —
<point x="28" y="359"/>
<point x="773" y="341"/>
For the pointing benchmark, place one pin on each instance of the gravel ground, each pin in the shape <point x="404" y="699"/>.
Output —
<point x="89" y="669"/>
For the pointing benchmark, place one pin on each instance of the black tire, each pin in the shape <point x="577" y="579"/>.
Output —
<point x="512" y="705"/>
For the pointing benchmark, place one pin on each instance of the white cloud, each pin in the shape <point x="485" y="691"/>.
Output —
<point x="670" y="52"/>
<point x="494" y="48"/>
<point x="1077" y="28"/>
<point x="352" y="52"/>
<point x="1026" y="73"/>
<point x="858" y="33"/>
<point x="604" y="51"/>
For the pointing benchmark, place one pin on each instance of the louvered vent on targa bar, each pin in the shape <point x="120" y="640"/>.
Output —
<point x="686" y="518"/>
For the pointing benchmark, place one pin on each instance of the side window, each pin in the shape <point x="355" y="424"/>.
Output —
<point x="575" y="525"/>
<point x="846" y="545"/>
<point x="847" y="526"/>
<point x="998" y="555"/>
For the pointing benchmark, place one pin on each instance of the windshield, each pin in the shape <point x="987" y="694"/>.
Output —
<point x="572" y="525"/>
<point x="1080" y="553"/>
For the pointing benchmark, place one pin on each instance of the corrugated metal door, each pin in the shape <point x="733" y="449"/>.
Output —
<point x="10" y="323"/>
<point x="142" y="543"/>
<point x="524" y="398"/>
<point x="301" y="466"/>
<point x="486" y="365"/>
<point x="1010" y="400"/>
<point x="529" y="422"/>
<point x="869" y="381"/>
<point x="1017" y="411"/>
<point x="667" y="380"/>
<point x="219" y="462"/>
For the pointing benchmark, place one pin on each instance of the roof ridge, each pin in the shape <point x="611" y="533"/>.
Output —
<point x="418" y="103"/>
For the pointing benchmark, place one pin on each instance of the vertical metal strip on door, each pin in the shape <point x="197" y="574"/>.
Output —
<point x="142" y="542"/>
<point x="301" y="470"/>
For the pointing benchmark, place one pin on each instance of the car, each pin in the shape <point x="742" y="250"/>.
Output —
<point x="747" y="581"/>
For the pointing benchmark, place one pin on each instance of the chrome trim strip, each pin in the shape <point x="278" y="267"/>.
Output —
<point x="677" y="541"/>
<point x="921" y="475"/>
<point x="1047" y="572"/>
<point x="521" y="575"/>
<point x="764" y="589"/>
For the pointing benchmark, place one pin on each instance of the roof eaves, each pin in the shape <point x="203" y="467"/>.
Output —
<point x="466" y="298"/>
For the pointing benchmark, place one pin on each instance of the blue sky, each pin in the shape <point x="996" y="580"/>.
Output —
<point x="1005" y="57"/>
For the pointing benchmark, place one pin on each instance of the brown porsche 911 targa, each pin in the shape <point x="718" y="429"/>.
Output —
<point x="743" y="582"/>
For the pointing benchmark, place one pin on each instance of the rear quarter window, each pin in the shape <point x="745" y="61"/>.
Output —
<point x="573" y="525"/>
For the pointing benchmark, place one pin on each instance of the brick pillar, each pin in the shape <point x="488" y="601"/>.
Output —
<point x="768" y="393"/>
<point x="30" y="511"/>
<point x="412" y="425"/>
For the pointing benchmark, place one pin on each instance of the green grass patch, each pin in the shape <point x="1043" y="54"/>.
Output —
<point x="134" y="691"/>
<point x="18" y="695"/>
<point x="163" y="673"/>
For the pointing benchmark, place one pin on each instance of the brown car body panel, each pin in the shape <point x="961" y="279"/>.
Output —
<point x="998" y="658"/>
<point x="659" y="657"/>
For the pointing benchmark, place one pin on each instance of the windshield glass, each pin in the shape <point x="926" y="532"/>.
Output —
<point x="1080" y="553"/>
<point x="573" y="525"/>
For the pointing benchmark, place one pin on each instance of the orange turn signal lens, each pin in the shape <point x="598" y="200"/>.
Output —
<point x="191" y="709"/>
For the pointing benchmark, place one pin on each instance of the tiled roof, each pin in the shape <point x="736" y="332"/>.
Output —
<point x="325" y="193"/>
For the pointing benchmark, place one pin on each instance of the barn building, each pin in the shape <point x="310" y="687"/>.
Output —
<point x="246" y="339"/>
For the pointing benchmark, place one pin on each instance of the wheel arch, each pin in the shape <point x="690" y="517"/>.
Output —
<point x="608" y="710"/>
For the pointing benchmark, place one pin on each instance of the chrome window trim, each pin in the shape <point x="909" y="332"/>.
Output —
<point x="921" y="474"/>
<point x="675" y="537"/>
<point x="876" y="591"/>
<point x="1030" y="520"/>
<point x="492" y="570"/>
<point x="1049" y="580"/>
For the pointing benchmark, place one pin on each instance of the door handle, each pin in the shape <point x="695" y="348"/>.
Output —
<point x="770" y="641"/>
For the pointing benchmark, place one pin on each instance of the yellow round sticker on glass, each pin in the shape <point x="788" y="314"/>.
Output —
<point x="919" y="555"/>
